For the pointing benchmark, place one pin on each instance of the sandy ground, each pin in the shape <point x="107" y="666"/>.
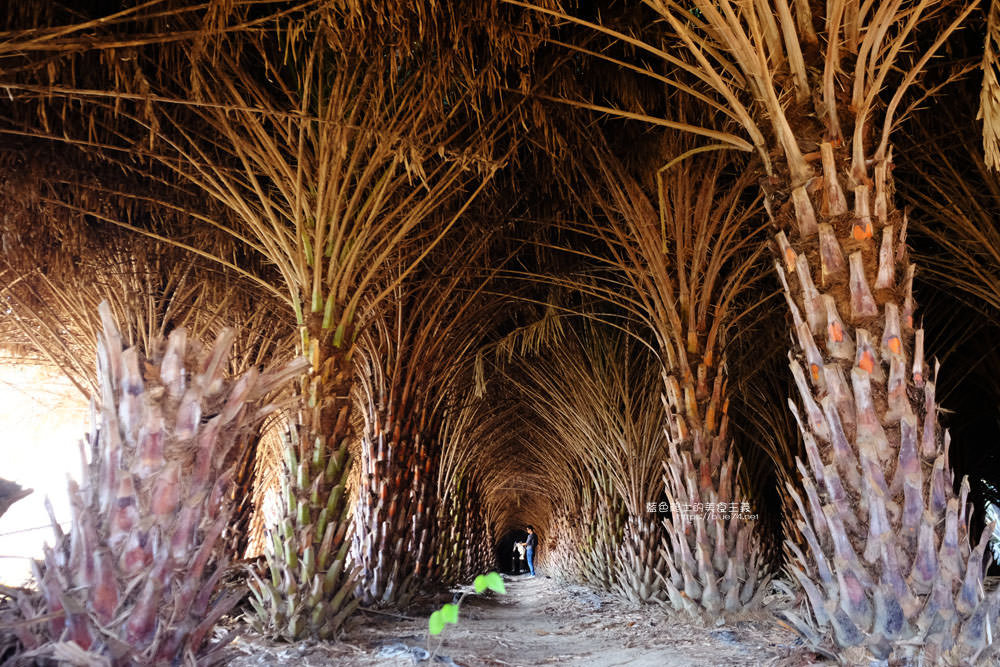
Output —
<point x="540" y="622"/>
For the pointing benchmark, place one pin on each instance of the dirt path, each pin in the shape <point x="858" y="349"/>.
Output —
<point x="540" y="622"/>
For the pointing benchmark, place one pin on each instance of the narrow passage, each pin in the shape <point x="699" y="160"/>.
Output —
<point x="540" y="622"/>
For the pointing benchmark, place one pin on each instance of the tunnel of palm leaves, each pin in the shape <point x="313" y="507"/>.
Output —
<point x="383" y="285"/>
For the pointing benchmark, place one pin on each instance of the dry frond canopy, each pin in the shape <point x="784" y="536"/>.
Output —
<point x="989" y="99"/>
<point x="475" y="40"/>
<point x="533" y="337"/>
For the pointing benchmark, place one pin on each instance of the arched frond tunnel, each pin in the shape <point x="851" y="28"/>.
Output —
<point x="707" y="294"/>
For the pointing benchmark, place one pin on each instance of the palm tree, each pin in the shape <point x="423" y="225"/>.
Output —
<point x="424" y="336"/>
<point x="321" y="172"/>
<point x="151" y="288"/>
<point x="686" y="261"/>
<point x="325" y="172"/>
<point x="888" y="563"/>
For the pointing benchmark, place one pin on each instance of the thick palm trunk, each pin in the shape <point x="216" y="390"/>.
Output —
<point x="712" y="552"/>
<point x="888" y="562"/>
<point x="307" y="589"/>
<point x="393" y="526"/>
<point x="603" y="516"/>
<point x="639" y="563"/>
<point x="477" y="539"/>
<point x="585" y="539"/>
<point x="450" y="539"/>
<point x="136" y="579"/>
<point x="562" y="547"/>
<point x="462" y="541"/>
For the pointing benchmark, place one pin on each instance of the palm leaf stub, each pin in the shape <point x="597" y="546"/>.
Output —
<point x="136" y="578"/>
<point x="10" y="493"/>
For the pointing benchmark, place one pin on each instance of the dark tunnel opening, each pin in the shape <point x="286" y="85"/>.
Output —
<point x="508" y="559"/>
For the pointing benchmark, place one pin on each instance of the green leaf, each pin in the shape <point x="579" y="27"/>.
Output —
<point x="435" y="624"/>
<point x="479" y="583"/>
<point x="449" y="613"/>
<point x="494" y="582"/>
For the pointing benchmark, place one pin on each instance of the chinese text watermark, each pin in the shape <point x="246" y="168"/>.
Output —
<point x="711" y="511"/>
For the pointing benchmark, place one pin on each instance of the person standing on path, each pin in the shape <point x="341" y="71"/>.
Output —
<point x="530" y="545"/>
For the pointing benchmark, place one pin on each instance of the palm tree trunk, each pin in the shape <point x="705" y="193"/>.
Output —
<point x="639" y="561"/>
<point x="711" y="548"/>
<point x="449" y="540"/>
<point x="242" y="496"/>
<point x="462" y="542"/>
<point x="889" y="562"/>
<point x="309" y="588"/>
<point x="136" y="579"/>
<point x="477" y="538"/>
<point x="393" y="526"/>
<point x="603" y="514"/>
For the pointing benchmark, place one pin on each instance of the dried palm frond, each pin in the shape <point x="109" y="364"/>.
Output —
<point x="989" y="97"/>
<point x="956" y="196"/>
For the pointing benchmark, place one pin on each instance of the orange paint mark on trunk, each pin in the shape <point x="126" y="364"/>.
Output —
<point x="790" y="258"/>
<point x="836" y="332"/>
<point x="895" y="346"/>
<point x="862" y="231"/>
<point x="867" y="362"/>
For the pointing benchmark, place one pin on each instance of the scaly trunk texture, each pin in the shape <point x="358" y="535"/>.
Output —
<point x="562" y="548"/>
<point x="602" y="516"/>
<point x="888" y="565"/>
<point x="240" y="533"/>
<point x="450" y="540"/>
<point x="640" y="561"/>
<point x="714" y="563"/>
<point x="309" y="590"/>
<point x="392" y="540"/>
<point x="463" y="542"/>
<point x="585" y="539"/>
<point x="478" y="556"/>
<point x="136" y="579"/>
